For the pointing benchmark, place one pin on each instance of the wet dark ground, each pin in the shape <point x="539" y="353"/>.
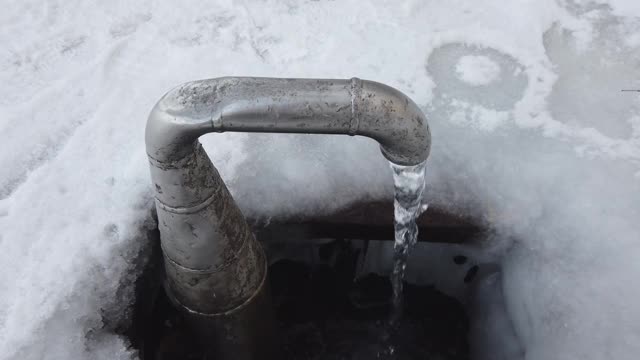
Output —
<point x="324" y="314"/>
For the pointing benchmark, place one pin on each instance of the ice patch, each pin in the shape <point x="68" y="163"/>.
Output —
<point x="503" y="82"/>
<point x="588" y="95"/>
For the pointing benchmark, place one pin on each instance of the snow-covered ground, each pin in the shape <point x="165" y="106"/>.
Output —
<point x="531" y="133"/>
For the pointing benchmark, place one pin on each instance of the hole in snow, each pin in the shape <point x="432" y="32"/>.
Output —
<point x="458" y="70"/>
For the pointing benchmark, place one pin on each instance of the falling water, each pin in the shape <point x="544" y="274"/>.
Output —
<point x="408" y="182"/>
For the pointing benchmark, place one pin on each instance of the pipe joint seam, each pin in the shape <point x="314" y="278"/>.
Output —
<point x="233" y="259"/>
<point x="355" y="90"/>
<point x="243" y="305"/>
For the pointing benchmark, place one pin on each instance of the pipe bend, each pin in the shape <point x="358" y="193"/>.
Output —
<point x="324" y="106"/>
<point x="392" y="119"/>
<point x="181" y="116"/>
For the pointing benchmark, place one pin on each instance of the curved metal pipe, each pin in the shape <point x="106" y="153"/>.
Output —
<point x="354" y="107"/>
<point x="213" y="263"/>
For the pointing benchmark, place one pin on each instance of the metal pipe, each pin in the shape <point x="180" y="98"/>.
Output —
<point x="215" y="268"/>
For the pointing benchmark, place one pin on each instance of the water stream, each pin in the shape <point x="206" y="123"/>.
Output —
<point x="409" y="184"/>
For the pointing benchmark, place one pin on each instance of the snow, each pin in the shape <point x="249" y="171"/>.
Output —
<point x="547" y="152"/>
<point x="477" y="70"/>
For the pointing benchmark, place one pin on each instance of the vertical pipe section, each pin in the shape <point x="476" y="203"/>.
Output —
<point x="215" y="269"/>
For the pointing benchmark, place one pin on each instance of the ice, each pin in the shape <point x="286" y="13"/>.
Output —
<point x="547" y="153"/>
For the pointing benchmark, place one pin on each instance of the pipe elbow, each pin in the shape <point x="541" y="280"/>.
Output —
<point x="395" y="121"/>
<point x="195" y="108"/>
<point x="181" y="116"/>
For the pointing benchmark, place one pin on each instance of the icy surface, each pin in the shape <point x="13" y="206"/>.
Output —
<point x="547" y="154"/>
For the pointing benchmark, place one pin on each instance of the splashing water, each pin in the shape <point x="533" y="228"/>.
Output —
<point x="409" y="184"/>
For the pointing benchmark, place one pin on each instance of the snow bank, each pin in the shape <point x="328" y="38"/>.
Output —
<point x="547" y="152"/>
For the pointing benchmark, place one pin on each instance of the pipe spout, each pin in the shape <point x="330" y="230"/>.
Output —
<point x="215" y="269"/>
